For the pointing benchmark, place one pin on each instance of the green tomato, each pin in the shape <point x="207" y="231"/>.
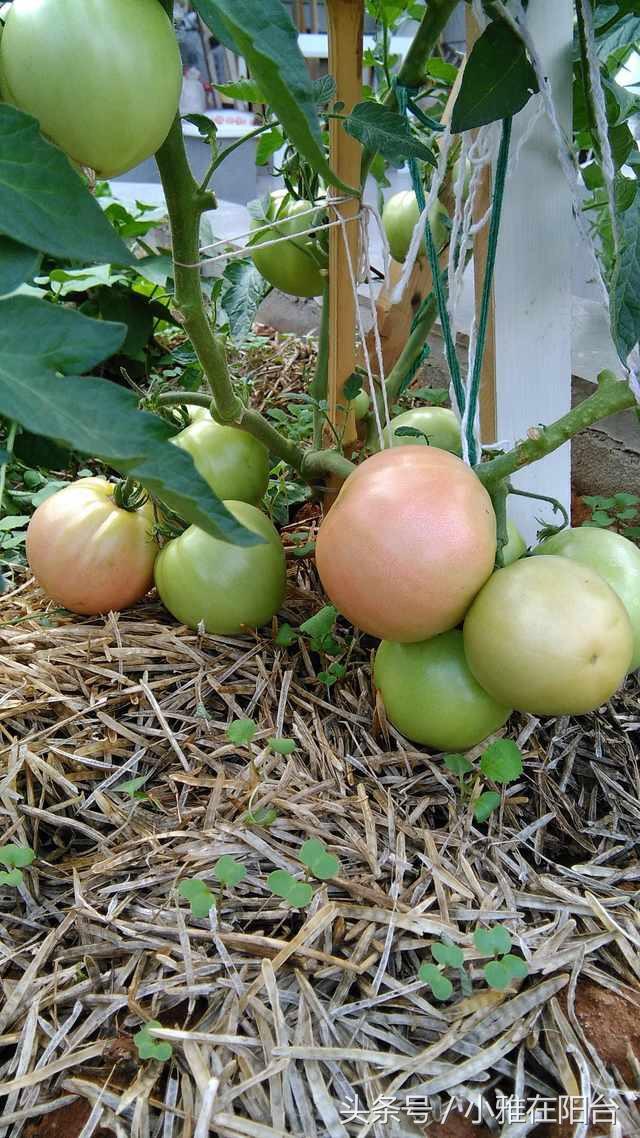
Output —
<point x="230" y="588"/>
<point x="361" y="405"/>
<point x="548" y="636"/>
<point x="103" y="77"/>
<point x="612" y="556"/>
<point x="400" y="216"/>
<point x="439" y="424"/>
<point x="233" y="462"/>
<point x="516" y="546"/>
<point x="297" y="266"/>
<point x="430" y="695"/>
<point x="196" y="412"/>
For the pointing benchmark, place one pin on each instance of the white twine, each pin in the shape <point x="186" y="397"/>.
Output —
<point x="230" y="254"/>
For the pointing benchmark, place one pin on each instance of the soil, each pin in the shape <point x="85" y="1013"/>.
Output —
<point x="457" y="1126"/>
<point x="66" y="1122"/>
<point x="611" y="1024"/>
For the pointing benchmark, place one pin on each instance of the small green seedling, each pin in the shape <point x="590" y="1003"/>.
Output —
<point x="617" y="513"/>
<point x="447" y="955"/>
<point x="334" y="672"/>
<point x="286" y="636"/>
<point x="241" y="731"/>
<point x="297" y="893"/>
<point x="319" y="629"/>
<point x="441" y="986"/>
<point x="132" y="788"/>
<point x="150" y="1048"/>
<point x="15" y="858"/>
<point x="485" y="804"/>
<point x="315" y="858"/>
<point x="501" y="762"/>
<point x="281" y="746"/>
<point x="199" y="896"/>
<point x="496" y="942"/>
<point x="263" y="816"/>
<point x="228" y="871"/>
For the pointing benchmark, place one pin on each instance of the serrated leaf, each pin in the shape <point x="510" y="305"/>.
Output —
<point x="241" y="731"/>
<point x="321" y="864"/>
<point x="16" y="856"/>
<point x="95" y="416"/>
<point x="457" y="764"/>
<point x="386" y="132"/>
<point x="297" y="893"/>
<point x="498" y="79"/>
<point x="448" y="954"/>
<point x="497" y="975"/>
<point x="229" y="871"/>
<point x="625" y="286"/>
<point x="485" y="804"/>
<point x="265" y="35"/>
<point x="493" y="941"/>
<point x="18" y="263"/>
<point x="282" y="746"/>
<point x="243" y="293"/>
<point x="324" y="90"/>
<point x="502" y="761"/>
<point x="43" y="201"/>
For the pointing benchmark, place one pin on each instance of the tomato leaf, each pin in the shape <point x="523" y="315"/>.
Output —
<point x="267" y="39"/>
<point x="245" y="288"/>
<point x="498" y="79"/>
<point x="18" y="264"/>
<point x="625" y="286"/>
<point x="93" y="415"/>
<point x="385" y="132"/>
<point x="44" y="203"/>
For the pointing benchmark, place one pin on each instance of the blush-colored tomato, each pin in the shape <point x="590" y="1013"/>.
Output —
<point x="229" y="588"/>
<point x="516" y="546"/>
<point x="295" y="266"/>
<point x="234" y="463"/>
<point x="89" y="554"/>
<point x="439" y="425"/>
<point x="430" y="695"/>
<point x="408" y="543"/>
<point x="400" y="216"/>
<point x="102" y="77"/>
<point x="548" y="636"/>
<point x="612" y="556"/>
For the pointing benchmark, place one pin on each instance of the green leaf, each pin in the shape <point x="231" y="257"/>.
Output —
<point x="95" y="416"/>
<point x="132" y="788"/>
<point x="324" y="90"/>
<point x="44" y="203"/>
<point x="321" y="864"/>
<point x="448" y="954"/>
<point x="625" y="286"/>
<point x="229" y="871"/>
<point x="244" y="291"/>
<point x="199" y="896"/>
<point x="286" y="636"/>
<point x="441" y="987"/>
<point x="439" y="69"/>
<point x="493" y="941"/>
<point x="205" y="127"/>
<point x="16" y="856"/>
<point x="297" y="893"/>
<point x="502" y="761"/>
<point x="485" y="804"/>
<point x="624" y="499"/>
<point x="18" y="263"/>
<point x="320" y="625"/>
<point x="263" y="816"/>
<point x="11" y="877"/>
<point x="267" y="145"/>
<point x="353" y="385"/>
<point x="436" y="396"/>
<point x="246" y="90"/>
<point x="498" y="79"/>
<point x="516" y="966"/>
<point x="17" y="522"/>
<point x="267" y="39"/>
<point x="497" y="975"/>
<point x="457" y="764"/>
<point x="241" y="731"/>
<point x="282" y="746"/>
<point x="150" y="1048"/>
<point x="385" y="132"/>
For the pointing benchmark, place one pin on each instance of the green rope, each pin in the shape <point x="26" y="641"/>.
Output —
<point x="492" y="245"/>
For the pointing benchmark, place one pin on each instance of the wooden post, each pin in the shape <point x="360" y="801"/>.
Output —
<point x="527" y="375"/>
<point x="345" y="24"/>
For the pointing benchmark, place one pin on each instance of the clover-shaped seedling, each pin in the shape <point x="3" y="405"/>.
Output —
<point x="500" y="973"/>
<point x="448" y="954"/>
<point x="132" y="788"/>
<point x="14" y="857"/>
<point x="502" y="761"/>
<point x="150" y="1048"/>
<point x="241" y="731"/>
<point x="315" y="858"/>
<point x="297" y="893"/>
<point x="492" y="942"/>
<point x="441" y="987"/>
<point x="261" y="816"/>
<point x="199" y="896"/>
<point x="229" y="871"/>
<point x="319" y="629"/>
<point x="485" y="804"/>
<point x="332" y="674"/>
<point x="281" y="746"/>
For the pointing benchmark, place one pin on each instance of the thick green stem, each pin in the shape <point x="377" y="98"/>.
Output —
<point x="558" y="508"/>
<point x="612" y="395"/>
<point x="499" y="499"/>
<point x="318" y="387"/>
<point x="411" y="351"/>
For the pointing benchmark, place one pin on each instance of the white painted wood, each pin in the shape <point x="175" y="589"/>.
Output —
<point x="532" y="284"/>
<point x="316" y="46"/>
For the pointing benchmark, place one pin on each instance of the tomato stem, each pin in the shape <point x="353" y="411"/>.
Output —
<point x="11" y="438"/>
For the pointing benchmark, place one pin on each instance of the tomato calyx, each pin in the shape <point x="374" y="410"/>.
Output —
<point x="129" y="495"/>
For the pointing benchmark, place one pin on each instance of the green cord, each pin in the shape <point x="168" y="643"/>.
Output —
<point x="492" y="245"/>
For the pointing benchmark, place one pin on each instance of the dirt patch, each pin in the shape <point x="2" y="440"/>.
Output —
<point x="457" y="1125"/>
<point x="611" y="1024"/>
<point x="65" y="1122"/>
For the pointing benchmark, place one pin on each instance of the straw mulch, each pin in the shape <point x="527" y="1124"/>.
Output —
<point x="279" y="1018"/>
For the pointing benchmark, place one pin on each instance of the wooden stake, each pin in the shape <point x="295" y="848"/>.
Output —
<point x="345" y="24"/>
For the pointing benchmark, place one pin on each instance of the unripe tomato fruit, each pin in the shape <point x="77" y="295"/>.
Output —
<point x="408" y="543"/>
<point x="430" y="695"/>
<point x="103" y="77"/>
<point x="292" y="266"/>
<point x="230" y="588"/>
<point x="612" y="556"/>
<point x="361" y="405"/>
<point x="400" y="216"/>
<point x="89" y="554"/>
<point x="439" y="424"/>
<point x="233" y="462"/>
<point x="548" y="636"/>
<point x="516" y="546"/>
